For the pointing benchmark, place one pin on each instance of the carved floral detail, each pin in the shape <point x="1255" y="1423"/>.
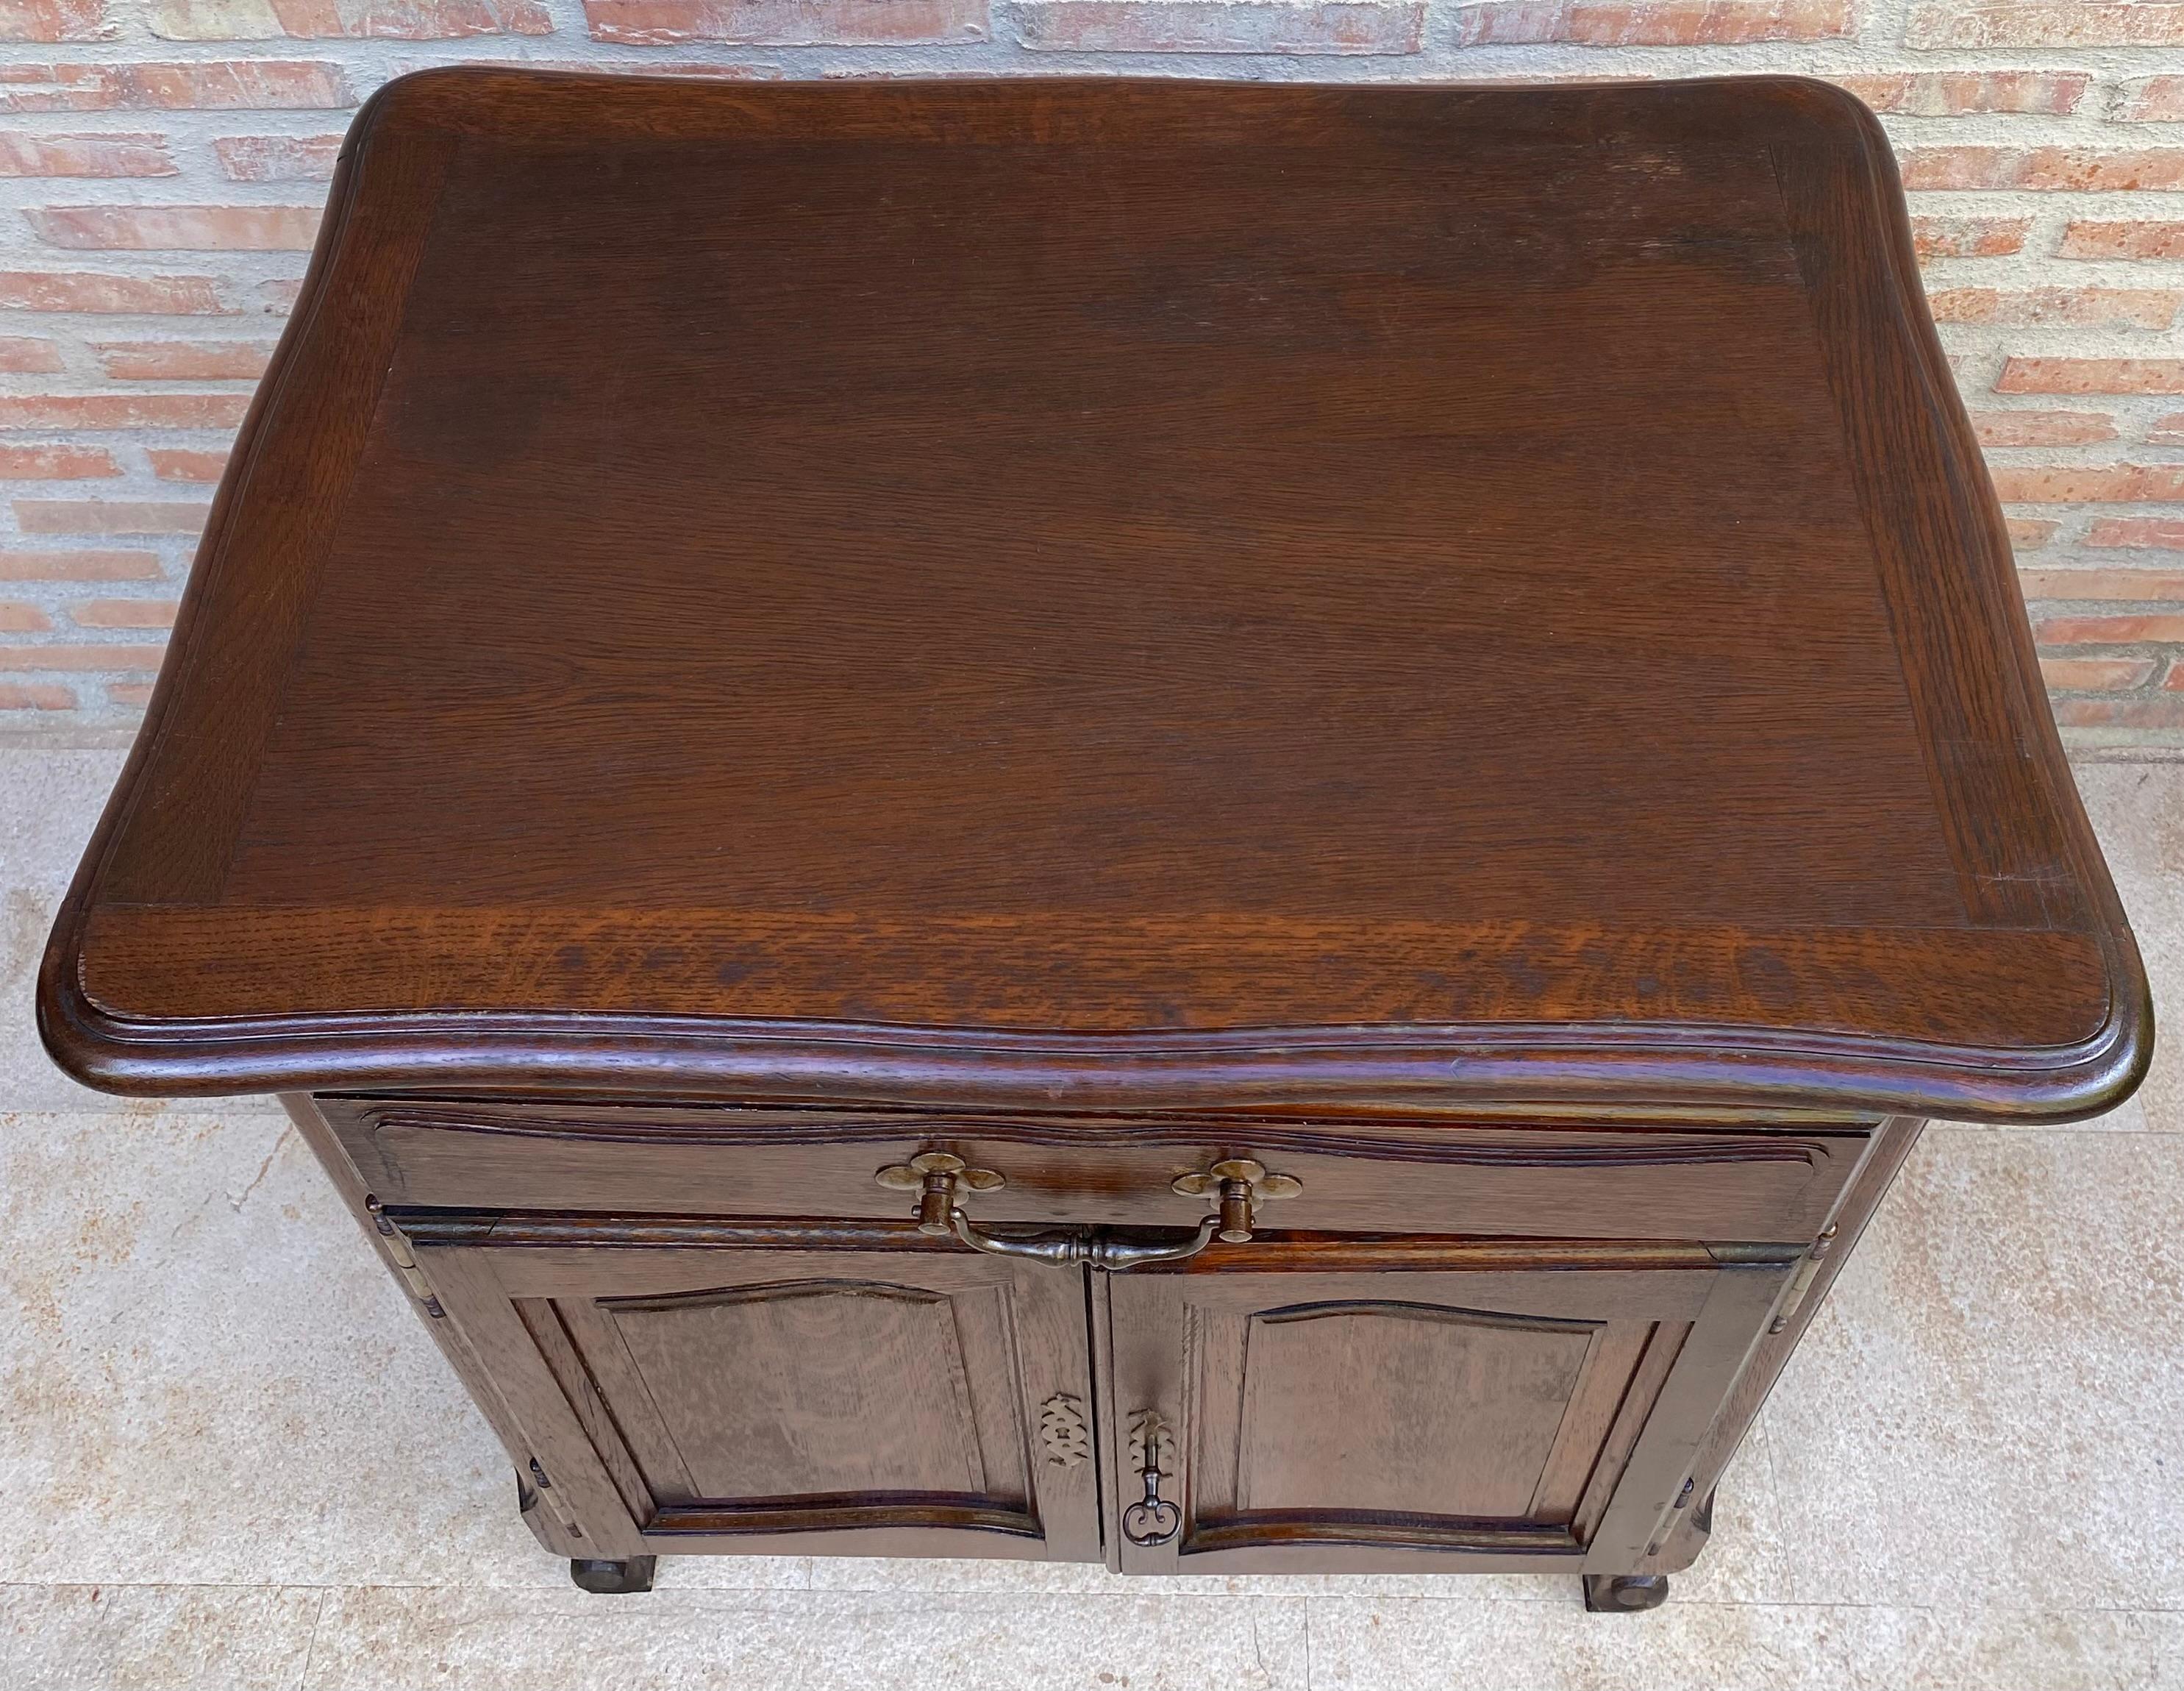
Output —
<point x="1063" y="1431"/>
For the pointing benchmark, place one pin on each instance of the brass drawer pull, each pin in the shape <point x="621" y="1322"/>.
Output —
<point x="1242" y="1184"/>
<point x="937" y="1176"/>
<point x="1083" y="1245"/>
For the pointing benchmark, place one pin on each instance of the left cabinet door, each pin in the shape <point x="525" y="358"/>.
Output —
<point x="750" y="1395"/>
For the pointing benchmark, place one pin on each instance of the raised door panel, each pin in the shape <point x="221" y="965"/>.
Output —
<point x="1408" y="1418"/>
<point x="842" y="1402"/>
<point x="1399" y="1407"/>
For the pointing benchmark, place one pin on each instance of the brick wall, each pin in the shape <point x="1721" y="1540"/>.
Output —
<point x="162" y="164"/>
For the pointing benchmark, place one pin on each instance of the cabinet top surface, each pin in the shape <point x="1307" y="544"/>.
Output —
<point x="1106" y="591"/>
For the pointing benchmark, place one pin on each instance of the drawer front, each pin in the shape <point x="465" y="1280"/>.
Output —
<point x="1562" y="1181"/>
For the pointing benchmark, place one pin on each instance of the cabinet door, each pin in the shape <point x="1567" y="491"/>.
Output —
<point x="835" y="1401"/>
<point x="1357" y="1407"/>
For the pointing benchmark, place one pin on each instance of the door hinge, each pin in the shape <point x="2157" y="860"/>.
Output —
<point x="397" y="1246"/>
<point x="558" y="1510"/>
<point x="1802" y="1282"/>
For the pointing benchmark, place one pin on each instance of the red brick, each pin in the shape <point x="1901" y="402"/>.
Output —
<point x="2138" y="533"/>
<point x="2150" y="99"/>
<point x="123" y="410"/>
<point x="2173" y="681"/>
<point x="2041" y="429"/>
<point x="1969" y="237"/>
<point x="277" y="157"/>
<point x="78" y="566"/>
<point x="23" y="153"/>
<point x="136" y="693"/>
<point x="340" y="20"/>
<point x="196" y="228"/>
<point x="114" y="657"/>
<point x="111" y="516"/>
<point x="2089" y="238"/>
<point x="1652" y="23"/>
<point x="2089" y="674"/>
<point x="166" y="296"/>
<point x="36" y="696"/>
<point x="2087" y="483"/>
<point x="2046" y="22"/>
<point x="2119" y="713"/>
<point x="2072" y="170"/>
<point x="16" y="618"/>
<point x="183" y="360"/>
<point x="124" y="613"/>
<point x="174" y="464"/>
<point x="280" y="294"/>
<point x="55" y="20"/>
<point x="787" y="23"/>
<point x="20" y="355"/>
<point x="2132" y="586"/>
<point x="2133" y="308"/>
<point x="1946" y="92"/>
<point x="1221" y="26"/>
<point x="2108" y="631"/>
<point x="2092" y="376"/>
<point x="232" y="84"/>
<point x="2029" y="534"/>
<point x="57" y="463"/>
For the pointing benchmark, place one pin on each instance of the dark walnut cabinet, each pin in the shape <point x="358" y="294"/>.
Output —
<point x="1223" y="829"/>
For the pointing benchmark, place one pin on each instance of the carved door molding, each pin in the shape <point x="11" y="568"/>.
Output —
<point x="1420" y="1419"/>
<point x="828" y="1402"/>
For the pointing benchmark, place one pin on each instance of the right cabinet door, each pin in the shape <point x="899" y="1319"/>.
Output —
<point x="1360" y="1405"/>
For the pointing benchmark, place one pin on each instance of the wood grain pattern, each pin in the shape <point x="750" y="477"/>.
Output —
<point x="1107" y="594"/>
<point x="1601" y="1181"/>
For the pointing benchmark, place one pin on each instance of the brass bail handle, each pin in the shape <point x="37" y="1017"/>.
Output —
<point x="938" y="1177"/>
<point x="1242" y="1184"/>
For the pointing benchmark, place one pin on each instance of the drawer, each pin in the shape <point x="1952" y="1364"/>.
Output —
<point x="1564" y="1179"/>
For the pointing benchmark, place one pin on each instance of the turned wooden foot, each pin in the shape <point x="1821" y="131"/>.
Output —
<point x="1624" y="1593"/>
<point x="613" y="1579"/>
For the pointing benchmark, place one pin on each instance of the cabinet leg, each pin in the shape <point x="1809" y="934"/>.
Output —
<point x="1624" y="1593"/>
<point x="613" y="1579"/>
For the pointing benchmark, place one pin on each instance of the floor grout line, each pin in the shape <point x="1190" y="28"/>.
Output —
<point x="899" y="1594"/>
<point x="311" y="1644"/>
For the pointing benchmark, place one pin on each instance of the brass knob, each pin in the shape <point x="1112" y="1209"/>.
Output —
<point x="1242" y="1184"/>
<point x="936" y="1176"/>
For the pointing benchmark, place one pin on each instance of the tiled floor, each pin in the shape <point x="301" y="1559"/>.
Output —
<point x="228" y="1457"/>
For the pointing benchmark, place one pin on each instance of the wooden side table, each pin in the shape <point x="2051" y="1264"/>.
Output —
<point x="1219" y="828"/>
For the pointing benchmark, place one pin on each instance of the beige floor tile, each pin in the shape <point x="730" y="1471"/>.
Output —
<point x="413" y="1639"/>
<point x="1745" y="1559"/>
<point x="1394" y="1645"/>
<point x="1397" y="1645"/>
<point x="1990" y="1409"/>
<point x="206" y="1376"/>
<point x="2137" y="810"/>
<point x="49" y="801"/>
<point x="164" y="1638"/>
